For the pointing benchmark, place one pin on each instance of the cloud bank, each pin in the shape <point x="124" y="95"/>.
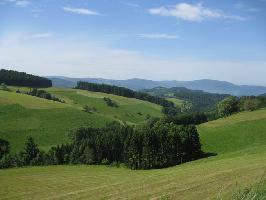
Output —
<point x="193" y="13"/>
<point x="86" y="58"/>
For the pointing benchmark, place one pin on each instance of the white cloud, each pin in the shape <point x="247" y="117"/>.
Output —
<point x="158" y="36"/>
<point x="189" y="12"/>
<point x="81" y="11"/>
<point x="86" y="58"/>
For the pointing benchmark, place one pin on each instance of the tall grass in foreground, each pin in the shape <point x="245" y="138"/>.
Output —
<point x="255" y="192"/>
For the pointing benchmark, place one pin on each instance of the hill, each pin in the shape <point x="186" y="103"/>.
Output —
<point x="239" y="140"/>
<point x="197" y="100"/>
<point x="50" y="122"/>
<point x="243" y="131"/>
<point x="212" y="86"/>
<point x="122" y="91"/>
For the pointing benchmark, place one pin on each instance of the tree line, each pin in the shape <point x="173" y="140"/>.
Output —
<point x="186" y="118"/>
<point x="125" y="92"/>
<point x="231" y="105"/>
<point x="11" y="77"/>
<point x="155" y="144"/>
<point x="42" y="94"/>
<point x="223" y="108"/>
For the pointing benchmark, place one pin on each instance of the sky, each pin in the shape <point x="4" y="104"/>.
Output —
<point x="150" y="39"/>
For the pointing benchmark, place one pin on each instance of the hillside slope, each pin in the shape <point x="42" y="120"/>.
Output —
<point x="239" y="132"/>
<point x="241" y="161"/>
<point x="197" y="99"/>
<point x="50" y="122"/>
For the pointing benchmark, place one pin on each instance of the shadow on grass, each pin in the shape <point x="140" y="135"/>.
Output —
<point x="207" y="154"/>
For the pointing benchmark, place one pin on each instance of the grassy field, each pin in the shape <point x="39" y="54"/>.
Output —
<point x="50" y="122"/>
<point x="177" y="102"/>
<point x="241" y="162"/>
<point x="238" y="132"/>
<point x="196" y="180"/>
<point x="129" y="109"/>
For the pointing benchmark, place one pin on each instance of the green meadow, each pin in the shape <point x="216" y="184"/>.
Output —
<point x="50" y="122"/>
<point x="239" y="142"/>
<point x="177" y="102"/>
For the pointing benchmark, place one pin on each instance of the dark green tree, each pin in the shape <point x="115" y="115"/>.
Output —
<point x="31" y="152"/>
<point x="4" y="148"/>
<point x="228" y="106"/>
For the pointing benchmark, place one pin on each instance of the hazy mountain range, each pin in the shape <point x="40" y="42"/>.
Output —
<point x="212" y="86"/>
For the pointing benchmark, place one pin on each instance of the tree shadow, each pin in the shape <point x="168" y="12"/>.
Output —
<point x="207" y="154"/>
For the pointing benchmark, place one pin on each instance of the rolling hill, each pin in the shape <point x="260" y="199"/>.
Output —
<point x="239" y="141"/>
<point x="212" y="86"/>
<point x="50" y="122"/>
<point x="197" y="100"/>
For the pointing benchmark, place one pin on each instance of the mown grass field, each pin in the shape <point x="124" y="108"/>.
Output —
<point x="50" y="122"/>
<point x="177" y="102"/>
<point x="196" y="180"/>
<point x="241" y="162"/>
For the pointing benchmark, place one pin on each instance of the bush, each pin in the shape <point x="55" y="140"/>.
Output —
<point x="88" y="109"/>
<point x="7" y="161"/>
<point x="110" y="102"/>
<point x="43" y="94"/>
<point x="249" y="103"/>
<point x="4" y="87"/>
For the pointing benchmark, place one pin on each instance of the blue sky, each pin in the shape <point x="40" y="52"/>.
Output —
<point x="152" y="39"/>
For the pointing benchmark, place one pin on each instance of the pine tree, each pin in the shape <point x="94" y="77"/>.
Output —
<point x="31" y="151"/>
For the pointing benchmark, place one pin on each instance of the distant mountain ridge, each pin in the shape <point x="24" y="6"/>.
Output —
<point x="207" y="85"/>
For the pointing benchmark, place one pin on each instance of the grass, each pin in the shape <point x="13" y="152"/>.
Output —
<point x="48" y="126"/>
<point x="255" y="192"/>
<point x="238" y="132"/>
<point x="204" y="179"/>
<point x="50" y="122"/>
<point x="27" y="101"/>
<point x="240" y="142"/>
<point x="129" y="109"/>
<point x="177" y="102"/>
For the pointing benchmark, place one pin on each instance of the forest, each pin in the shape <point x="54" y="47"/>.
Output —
<point x="199" y="101"/>
<point x="155" y="144"/>
<point x="11" y="77"/>
<point x="125" y="92"/>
